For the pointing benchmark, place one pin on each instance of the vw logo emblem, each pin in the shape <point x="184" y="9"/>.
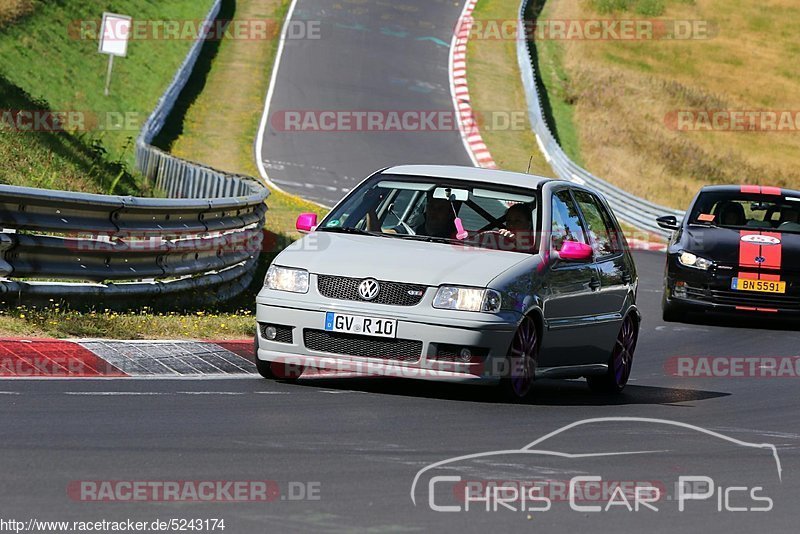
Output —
<point x="368" y="289"/>
<point x="760" y="259"/>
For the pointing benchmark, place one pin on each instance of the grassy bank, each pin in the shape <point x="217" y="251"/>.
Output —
<point x="617" y="96"/>
<point x="215" y="123"/>
<point x="45" y="55"/>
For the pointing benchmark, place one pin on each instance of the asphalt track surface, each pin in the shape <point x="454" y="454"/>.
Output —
<point x="370" y="56"/>
<point x="360" y="442"/>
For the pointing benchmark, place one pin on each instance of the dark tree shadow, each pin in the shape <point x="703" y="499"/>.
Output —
<point x="87" y="155"/>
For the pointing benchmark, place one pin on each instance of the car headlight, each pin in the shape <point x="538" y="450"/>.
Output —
<point x="286" y="279"/>
<point x="467" y="299"/>
<point x="691" y="260"/>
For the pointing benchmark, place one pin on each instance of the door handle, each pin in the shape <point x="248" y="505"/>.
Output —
<point x="594" y="283"/>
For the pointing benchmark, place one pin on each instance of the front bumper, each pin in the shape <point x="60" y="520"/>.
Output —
<point x="488" y="335"/>
<point x="694" y="289"/>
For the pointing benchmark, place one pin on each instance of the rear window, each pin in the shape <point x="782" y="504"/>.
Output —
<point x="747" y="211"/>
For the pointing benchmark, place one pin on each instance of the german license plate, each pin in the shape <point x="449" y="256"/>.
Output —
<point x="357" y="324"/>
<point x="762" y="286"/>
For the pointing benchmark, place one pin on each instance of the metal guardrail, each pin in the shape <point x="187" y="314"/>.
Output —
<point x="630" y="208"/>
<point x="200" y="244"/>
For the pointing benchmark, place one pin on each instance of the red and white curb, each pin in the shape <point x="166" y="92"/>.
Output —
<point x="54" y="358"/>
<point x="467" y="124"/>
<point x="126" y="359"/>
<point x="643" y="244"/>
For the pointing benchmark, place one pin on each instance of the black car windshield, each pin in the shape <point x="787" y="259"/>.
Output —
<point x="732" y="209"/>
<point x="440" y="210"/>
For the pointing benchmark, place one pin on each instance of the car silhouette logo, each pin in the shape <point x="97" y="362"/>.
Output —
<point x="368" y="289"/>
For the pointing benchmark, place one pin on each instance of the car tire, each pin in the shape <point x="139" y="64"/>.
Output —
<point x="517" y="383"/>
<point x="277" y="371"/>
<point x="621" y="360"/>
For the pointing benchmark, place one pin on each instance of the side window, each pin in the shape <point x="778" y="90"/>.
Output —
<point x="601" y="229"/>
<point x="566" y="221"/>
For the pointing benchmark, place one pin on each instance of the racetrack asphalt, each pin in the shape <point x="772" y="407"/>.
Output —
<point x="365" y="56"/>
<point x="355" y="445"/>
<point x="360" y="442"/>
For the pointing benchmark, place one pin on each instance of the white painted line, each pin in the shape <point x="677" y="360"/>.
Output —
<point x="115" y="393"/>
<point x="242" y="376"/>
<point x="210" y="393"/>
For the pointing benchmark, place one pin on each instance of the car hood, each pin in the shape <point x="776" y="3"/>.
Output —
<point x="399" y="260"/>
<point x="725" y="246"/>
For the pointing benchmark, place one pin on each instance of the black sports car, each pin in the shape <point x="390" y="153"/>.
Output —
<point x="736" y="250"/>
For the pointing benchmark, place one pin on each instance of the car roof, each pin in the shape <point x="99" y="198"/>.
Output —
<point x="473" y="174"/>
<point x="732" y="188"/>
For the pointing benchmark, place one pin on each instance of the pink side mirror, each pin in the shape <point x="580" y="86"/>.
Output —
<point x="306" y="222"/>
<point x="574" y="251"/>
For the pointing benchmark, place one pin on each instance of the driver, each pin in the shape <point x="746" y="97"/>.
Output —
<point x="519" y="227"/>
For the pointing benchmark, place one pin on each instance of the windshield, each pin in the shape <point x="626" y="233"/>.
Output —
<point x="747" y="211"/>
<point x="439" y="210"/>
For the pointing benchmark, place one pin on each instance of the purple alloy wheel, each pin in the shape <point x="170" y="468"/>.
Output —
<point x="622" y="358"/>
<point x="523" y="358"/>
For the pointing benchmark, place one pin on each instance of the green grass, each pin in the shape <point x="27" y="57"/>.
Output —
<point x="559" y="94"/>
<point x="147" y="323"/>
<point x="494" y="86"/>
<point x="215" y="123"/>
<point x="45" y="64"/>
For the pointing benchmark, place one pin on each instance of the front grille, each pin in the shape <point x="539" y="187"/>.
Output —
<point x="402" y="350"/>
<point x="745" y="298"/>
<point x="284" y="333"/>
<point x="344" y="288"/>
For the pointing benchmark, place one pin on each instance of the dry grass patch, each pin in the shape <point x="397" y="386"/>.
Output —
<point x="623" y="90"/>
<point x="495" y="86"/>
<point x="11" y="10"/>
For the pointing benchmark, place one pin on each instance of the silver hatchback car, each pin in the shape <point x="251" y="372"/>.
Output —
<point x="455" y="273"/>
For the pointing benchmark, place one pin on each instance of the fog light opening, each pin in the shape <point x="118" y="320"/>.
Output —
<point x="679" y="289"/>
<point x="270" y="333"/>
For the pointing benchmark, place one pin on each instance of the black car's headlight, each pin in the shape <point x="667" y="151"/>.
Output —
<point x="687" y="259"/>
<point x="467" y="299"/>
<point x="287" y="279"/>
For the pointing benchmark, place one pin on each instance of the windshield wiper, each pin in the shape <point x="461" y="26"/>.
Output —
<point x="427" y="238"/>
<point x="351" y="230"/>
